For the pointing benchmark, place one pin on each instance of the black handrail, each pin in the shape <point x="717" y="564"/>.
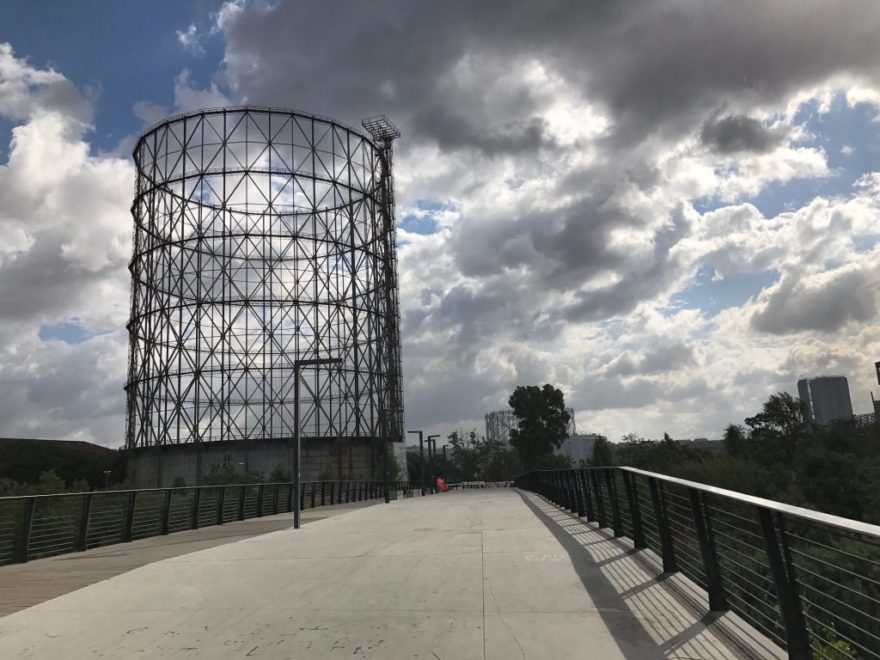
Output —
<point x="36" y="526"/>
<point x="807" y="580"/>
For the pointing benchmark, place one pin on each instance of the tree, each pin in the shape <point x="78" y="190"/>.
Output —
<point x="602" y="455"/>
<point x="542" y="422"/>
<point x="779" y="428"/>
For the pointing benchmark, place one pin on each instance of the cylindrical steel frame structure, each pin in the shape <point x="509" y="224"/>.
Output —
<point x="262" y="237"/>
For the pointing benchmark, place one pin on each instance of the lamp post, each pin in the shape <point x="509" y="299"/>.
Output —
<point x="431" y="454"/>
<point x="421" y="462"/>
<point x="297" y="365"/>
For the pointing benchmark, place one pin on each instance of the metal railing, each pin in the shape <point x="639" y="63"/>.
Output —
<point x="36" y="526"/>
<point x="809" y="581"/>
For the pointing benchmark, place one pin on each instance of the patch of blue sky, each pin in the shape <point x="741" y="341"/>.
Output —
<point x="850" y="138"/>
<point x="74" y="38"/>
<point x="713" y="295"/>
<point x="70" y="332"/>
<point x="419" y="224"/>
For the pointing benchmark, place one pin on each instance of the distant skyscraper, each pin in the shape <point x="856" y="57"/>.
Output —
<point x="825" y="399"/>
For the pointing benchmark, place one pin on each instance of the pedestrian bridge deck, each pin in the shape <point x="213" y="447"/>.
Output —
<point x="470" y="574"/>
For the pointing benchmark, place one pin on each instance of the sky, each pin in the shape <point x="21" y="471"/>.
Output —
<point x="666" y="208"/>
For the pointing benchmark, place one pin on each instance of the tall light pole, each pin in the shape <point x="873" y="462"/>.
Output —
<point x="431" y="454"/>
<point x="421" y="462"/>
<point x="297" y="365"/>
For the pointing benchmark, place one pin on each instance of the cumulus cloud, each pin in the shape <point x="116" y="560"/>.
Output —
<point x="64" y="243"/>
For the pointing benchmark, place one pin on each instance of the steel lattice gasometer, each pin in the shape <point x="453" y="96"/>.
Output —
<point x="262" y="236"/>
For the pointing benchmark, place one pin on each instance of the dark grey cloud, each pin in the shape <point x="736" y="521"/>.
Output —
<point x="660" y="357"/>
<point x="735" y="133"/>
<point x="796" y="304"/>
<point x="658" y="66"/>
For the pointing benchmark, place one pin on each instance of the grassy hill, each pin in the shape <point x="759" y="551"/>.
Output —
<point x="23" y="460"/>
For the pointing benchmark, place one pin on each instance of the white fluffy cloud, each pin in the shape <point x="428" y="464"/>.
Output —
<point x="64" y="243"/>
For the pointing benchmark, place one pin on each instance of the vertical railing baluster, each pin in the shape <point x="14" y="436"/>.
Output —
<point x="82" y="541"/>
<point x="275" y="498"/>
<point x="635" y="513"/>
<point x="700" y="513"/>
<point x="261" y="489"/>
<point x="597" y="494"/>
<point x="242" y="496"/>
<point x="313" y="493"/>
<point x="166" y="513"/>
<point x="128" y="523"/>
<point x="670" y="565"/>
<point x="616" y="524"/>
<point x="786" y="585"/>
<point x="27" y="526"/>
<point x="588" y="499"/>
<point x="579" y="494"/>
<point x="194" y="516"/>
<point x="220" y="498"/>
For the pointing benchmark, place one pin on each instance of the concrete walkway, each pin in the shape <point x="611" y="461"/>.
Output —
<point x="473" y="574"/>
<point x="26" y="585"/>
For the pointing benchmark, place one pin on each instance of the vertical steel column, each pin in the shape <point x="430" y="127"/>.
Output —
<point x="786" y="586"/>
<point x="242" y="496"/>
<point x="615" y="505"/>
<point x="220" y="499"/>
<point x="261" y="489"/>
<point x="700" y="512"/>
<point x="635" y="513"/>
<point x="597" y="494"/>
<point x="585" y="487"/>
<point x="166" y="513"/>
<point x="670" y="565"/>
<point x="194" y="519"/>
<point x="127" y="530"/>
<point x="581" y="507"/>
<point x="27" y="526"/>
<point x="83" y="531"/>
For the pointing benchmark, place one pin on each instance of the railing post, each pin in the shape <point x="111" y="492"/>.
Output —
<point x="261" y="489"/>
<point x="313" y="492"/>
<point x="242" y="496"/>
<point x="27" y="525"/>
<point x="786" y="586"/>
<point x="597" y="494"/>
<point x="702" y="523"/>
<point x="290" y="498"/>
<point x="323" y="491"/>
<point x="82" y="540"/>
<point x="635" y="513"/>
<point x="670" y="565"/>
<point x="579" y="493"/>
<point x="615" y="505"/>
<point x="128" y="529"/>
<point x="220" y="498"/>
<point x="166" y="513"/>
<point x="570" y="488"/>
<point x="302" y="496"/>
<point x="585" y="487"/>
<point x="332" y="493"/>
<point x="275" y="497"/>
<point x="197" y="497"/>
